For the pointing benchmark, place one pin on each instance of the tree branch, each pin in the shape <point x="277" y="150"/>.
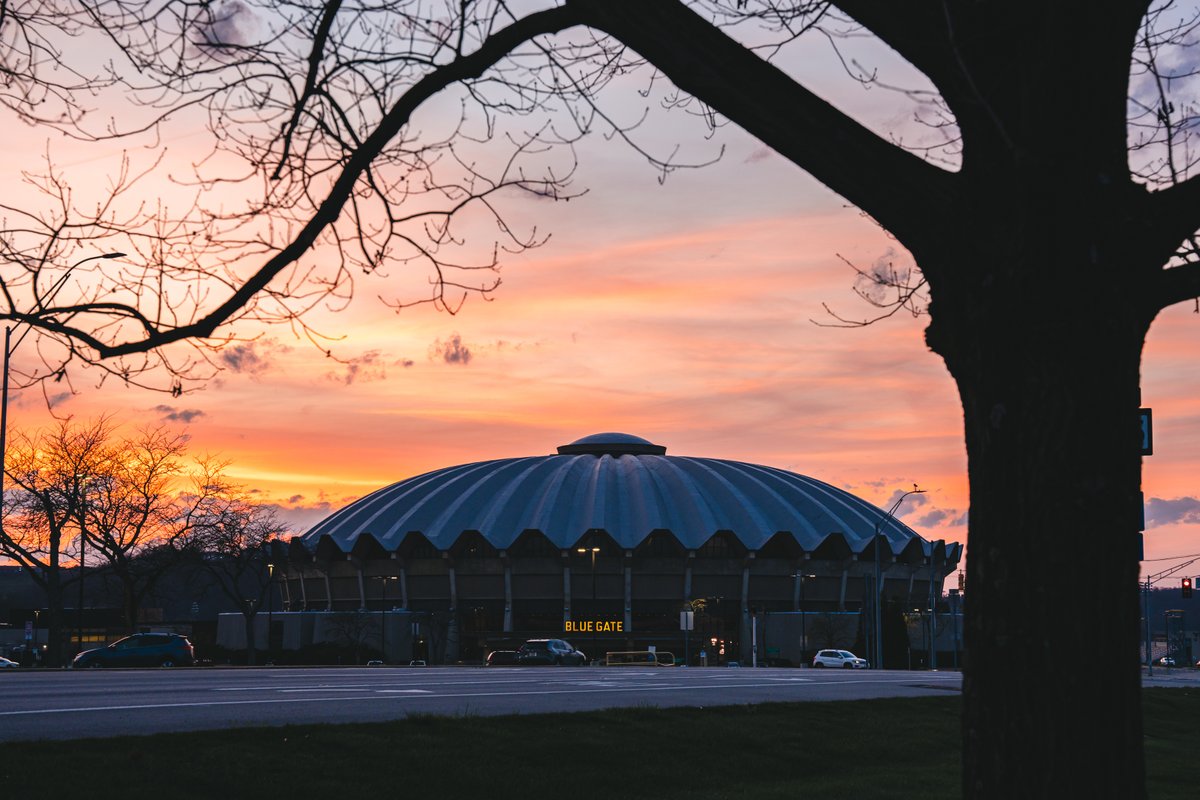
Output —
<point x="1177" y="284"/>
<point x="1174" y="215"/>
<point x="766" y="102"/>
<point x="469" y="66"/>
<point x="914" y="29"/>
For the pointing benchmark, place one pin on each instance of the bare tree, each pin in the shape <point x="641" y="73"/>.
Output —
<point x="352" y="630"/>
<point x="228" y="537"/>
<point x="51" y="473"/>
<point x="1044" y="255"/>
<point x="132" y="513"/>
<point x="833" y="630"/>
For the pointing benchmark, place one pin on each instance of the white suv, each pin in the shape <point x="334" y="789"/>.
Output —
<point x="839" y="658"/>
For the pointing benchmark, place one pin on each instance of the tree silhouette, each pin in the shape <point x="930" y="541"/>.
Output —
<point x="1045" y="255"/>
<point x="51" y="474"/>
<point x="229" y="538"/>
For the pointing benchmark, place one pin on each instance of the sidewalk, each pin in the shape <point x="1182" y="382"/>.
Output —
<point x="1171" y="676"/>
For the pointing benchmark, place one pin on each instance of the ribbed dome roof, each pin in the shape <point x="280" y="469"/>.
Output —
<point x="622" y="484"/>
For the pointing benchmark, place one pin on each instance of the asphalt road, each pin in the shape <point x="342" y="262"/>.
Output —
<point x="67" y="705"/>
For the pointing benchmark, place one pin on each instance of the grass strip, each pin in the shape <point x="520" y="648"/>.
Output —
<point x="904" y="748"/>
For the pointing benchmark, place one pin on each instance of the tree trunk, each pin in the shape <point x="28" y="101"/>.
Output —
<point x="1052" y="697"/>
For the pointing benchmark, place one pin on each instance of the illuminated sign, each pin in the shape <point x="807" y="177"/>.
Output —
<point x="593" y="626"/>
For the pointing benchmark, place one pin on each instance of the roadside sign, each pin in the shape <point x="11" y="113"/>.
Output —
<point x="687" y="620"/>
<point x="1147" y="421"/>
<point x="28" y="630"/>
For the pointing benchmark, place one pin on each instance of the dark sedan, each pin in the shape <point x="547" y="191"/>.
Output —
<point x="550" y="651"/>
<point x="140" y="650"/>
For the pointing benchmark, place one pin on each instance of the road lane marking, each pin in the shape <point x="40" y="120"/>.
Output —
<point x="433" y="696"/>
<point x="318" y="689"/>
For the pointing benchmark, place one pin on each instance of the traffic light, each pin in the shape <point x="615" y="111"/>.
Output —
<point x="1187" y="588"/>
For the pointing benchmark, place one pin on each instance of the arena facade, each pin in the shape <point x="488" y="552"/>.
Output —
<point x="604" y="543"/>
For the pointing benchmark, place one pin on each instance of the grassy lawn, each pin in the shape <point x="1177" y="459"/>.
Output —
<point x="898" y="748"/>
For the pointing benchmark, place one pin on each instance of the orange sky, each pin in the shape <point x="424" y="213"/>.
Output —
<point x="680" y="313"/>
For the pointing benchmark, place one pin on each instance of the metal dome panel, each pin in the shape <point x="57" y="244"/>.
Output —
<point x="597" y="483"/>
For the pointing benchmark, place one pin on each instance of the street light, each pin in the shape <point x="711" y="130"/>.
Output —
<point x="8" y="348"/>
<point x="270" y="609"/>
<point x="803" y="627"/>
<point x="877" y="656"/>
<point x="593" y="551"/>
<point x="383" y="612"/>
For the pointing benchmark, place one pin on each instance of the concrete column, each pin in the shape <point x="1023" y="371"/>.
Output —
<point x="403" y="585"/>
<point x="842" y="593"/>
<point x="328" y="591"/>
<point x="508" y="600"/>
<point x="939" y="579"/>
<point x="687" y="576"/>
<point x="566" y="592"/>
<point x="303" y="591"/>
<point x="628" y="592"/>
<point x="452" y="631"/>
<point x="797" y="576"/>
<point x="744" y="633"/>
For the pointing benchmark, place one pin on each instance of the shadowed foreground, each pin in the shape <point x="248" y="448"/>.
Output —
<point x="894" y="748"/>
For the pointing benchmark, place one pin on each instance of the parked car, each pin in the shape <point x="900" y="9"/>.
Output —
<point x="843" y="659"/>
<point x="5" y="663"/>
<point x="1167" y="661"/>
<point x="140" y="650"/>
<point x="501" y="658"/>
<point x="550" y="651"/>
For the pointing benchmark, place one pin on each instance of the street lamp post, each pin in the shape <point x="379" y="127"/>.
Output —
<point x="8" y="348"/>
<point x="79" y="610"/>
<point x="270" y="610"/>
<point x="383" y="618"/>
<point x="383" y="613"/>
<point x="877" y="616"/>
<point x="593" y="551"/>
<point x="803" y="619"/>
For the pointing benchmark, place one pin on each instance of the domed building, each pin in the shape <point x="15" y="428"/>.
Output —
<point x="604" y="543"/>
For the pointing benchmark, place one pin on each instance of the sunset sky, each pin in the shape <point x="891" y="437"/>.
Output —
<point x="682" y="312"/>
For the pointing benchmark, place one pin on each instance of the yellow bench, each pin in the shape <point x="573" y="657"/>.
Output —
<point x="639" y="658"/>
